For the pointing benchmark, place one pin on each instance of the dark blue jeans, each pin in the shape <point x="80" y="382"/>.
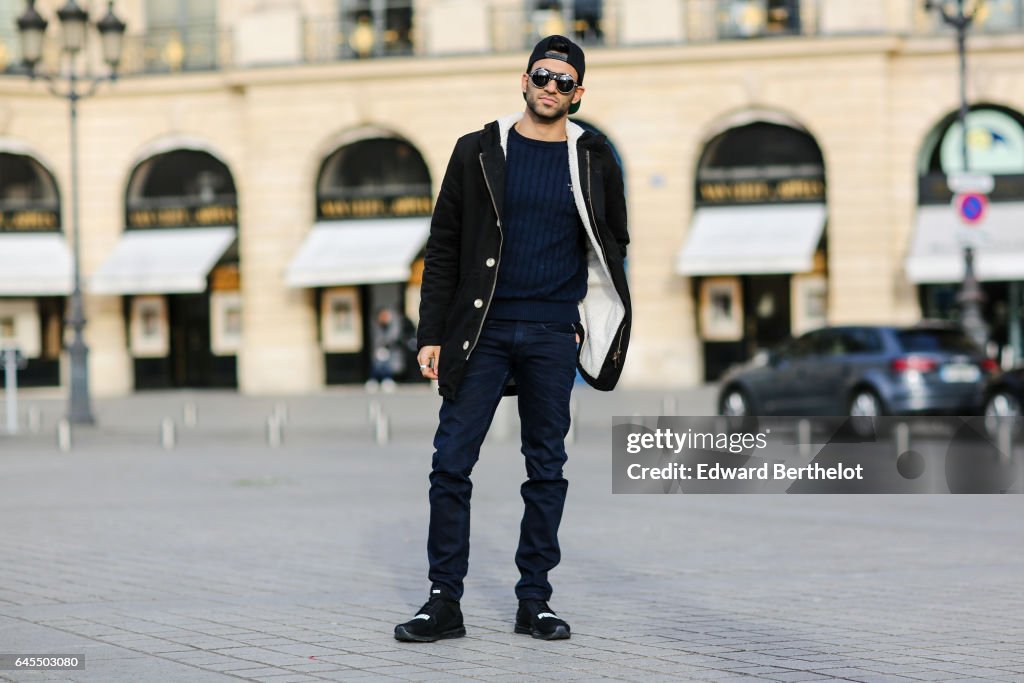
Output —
<point x="542" y="359"/>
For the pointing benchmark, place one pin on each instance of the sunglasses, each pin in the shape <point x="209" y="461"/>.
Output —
<point x="564" y="83"/>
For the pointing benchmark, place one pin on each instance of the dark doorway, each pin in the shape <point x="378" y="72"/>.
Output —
<point x="766" y="322"/>
<point x="190" y="363"/>
<point x="766" y="312"/>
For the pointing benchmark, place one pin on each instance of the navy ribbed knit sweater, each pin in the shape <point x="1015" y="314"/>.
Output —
<point x="543" y="271"/>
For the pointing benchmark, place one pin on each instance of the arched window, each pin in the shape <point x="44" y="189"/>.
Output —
<point x="374" y="177"/>
<point x="995" y="143"/>
<point x="181" y="188"/>
<point x="28" y="195"/>
<point x="761" y="162"/>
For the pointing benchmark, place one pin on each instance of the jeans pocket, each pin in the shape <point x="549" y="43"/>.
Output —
<point x="560" y="327"/>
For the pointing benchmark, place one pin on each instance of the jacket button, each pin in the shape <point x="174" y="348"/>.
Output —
<point x="465" y="345"/>
<point x="490" y="263"/>
<point x="479" y="303"/>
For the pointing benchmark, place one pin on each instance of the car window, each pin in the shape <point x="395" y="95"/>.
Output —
<point x="830" y="343"/>
<point x="859" y="340"/>
<point x="804" y="346"/>
<point x="923" y="341"/>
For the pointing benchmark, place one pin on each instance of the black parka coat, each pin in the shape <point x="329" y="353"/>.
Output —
<point x="463" y="254"/>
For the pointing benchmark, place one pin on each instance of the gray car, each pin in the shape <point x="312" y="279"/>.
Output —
<point x="930" y="368"/>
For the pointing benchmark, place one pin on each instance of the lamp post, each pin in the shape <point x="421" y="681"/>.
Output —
<point x="970" y="297"/>
<point x="74" y="24"/>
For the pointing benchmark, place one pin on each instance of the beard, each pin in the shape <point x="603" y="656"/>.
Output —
<point x="543" y="112"/>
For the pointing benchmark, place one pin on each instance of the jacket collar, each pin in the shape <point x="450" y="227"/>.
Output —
<point x="494" y="149"/>
<point x="573" y="130"/>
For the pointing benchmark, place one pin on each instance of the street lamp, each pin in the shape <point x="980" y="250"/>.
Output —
<point x="970" y="296"/>
<point x="74" y="24"/>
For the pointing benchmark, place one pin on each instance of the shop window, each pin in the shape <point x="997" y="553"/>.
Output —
<point x="181" y="188"/>
<point x="28" y="195"/>
<point x="761" y="162"/>
<point x="181" y="35"/>
<point x="376" y="177"/>
<point x="753" y="18"/>
<point x="995" y="143"/>
<point x="373" y="28"/>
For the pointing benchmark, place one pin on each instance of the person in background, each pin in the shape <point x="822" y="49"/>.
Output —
<point x="388" y="348"/>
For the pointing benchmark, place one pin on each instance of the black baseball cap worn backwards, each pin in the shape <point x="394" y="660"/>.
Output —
<point x="563" y="49"/>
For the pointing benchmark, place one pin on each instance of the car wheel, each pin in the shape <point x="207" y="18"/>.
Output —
<point x="734" y="404"/>
<point x="1002" y="404"/>
<point x="865" y="403"/>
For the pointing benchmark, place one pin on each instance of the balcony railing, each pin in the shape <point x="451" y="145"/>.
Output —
<point x="10" y="53"/>
<point x="177" y="49"/>
<point x="487" y="27"/>
<point x="993" y="17"/>
<point x="361" y="32"/>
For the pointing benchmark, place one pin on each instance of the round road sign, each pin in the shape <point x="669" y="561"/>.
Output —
<point x="971" y="206"/>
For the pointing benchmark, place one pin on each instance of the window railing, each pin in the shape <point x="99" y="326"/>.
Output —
<point x="992" y="17"/>
<point x="176" y="49"/>
<point x="440" y="29"/>
<point x="10" y="52"/>
<point x="358" y="37"/>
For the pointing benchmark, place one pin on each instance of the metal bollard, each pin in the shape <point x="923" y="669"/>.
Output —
<point x="803" y="437"/>
<point x="668" y="405"/>
<point x="190" y="415"/>
<point x="281" y="411"/>
<point x="167" y="434"/>
<point x="1005" y="439"/>
<point x="35" y="420"/>
<point x="382" y="430"/>
<point x="9" y="359"/>
<point x="64" y="435"/>
<point x="372" y="411"/>
<point x="275" y="433"/>
<point x="902" y="438"/>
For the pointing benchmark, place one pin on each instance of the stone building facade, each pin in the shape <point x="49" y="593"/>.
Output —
<point x="259" y="180"/>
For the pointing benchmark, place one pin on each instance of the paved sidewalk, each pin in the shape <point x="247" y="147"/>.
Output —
<point x="227" y="560"/>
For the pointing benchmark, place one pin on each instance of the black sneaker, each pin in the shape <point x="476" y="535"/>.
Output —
<point x="540" y="621"/>
<point x="439" y="618"/>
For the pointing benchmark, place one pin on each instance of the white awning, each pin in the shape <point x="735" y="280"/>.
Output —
<point x="937" y="249"/>
<point x="752" y="240"/>
<point x="34" y="264"/>
<point x="158" y="261"/>
<point x="358" y="252"/>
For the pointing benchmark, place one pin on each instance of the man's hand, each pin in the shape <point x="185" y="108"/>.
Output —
<point x="427" y="358"/>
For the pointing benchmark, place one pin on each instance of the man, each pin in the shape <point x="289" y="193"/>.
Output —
<point x="523" y="282"/>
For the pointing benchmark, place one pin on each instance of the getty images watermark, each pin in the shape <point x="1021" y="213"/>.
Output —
<point x="671" y="454"/>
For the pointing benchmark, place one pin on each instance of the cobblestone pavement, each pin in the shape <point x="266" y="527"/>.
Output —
<point x="225" y="559"/>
